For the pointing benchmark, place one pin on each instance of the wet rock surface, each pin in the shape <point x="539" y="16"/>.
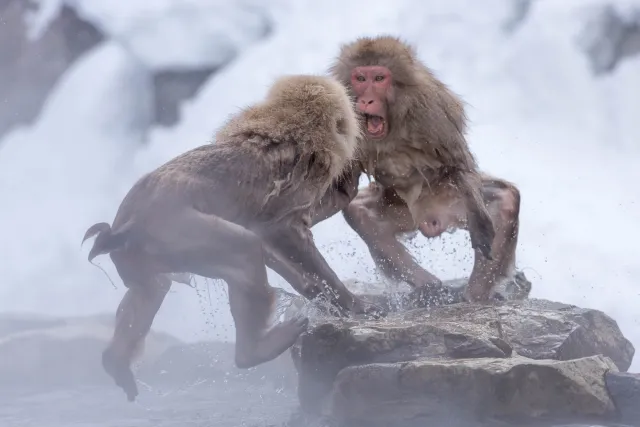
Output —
<point x="461" y="369"/>
<point x="462" y="391"/>
<point x="624" y="389"/>
<point x="528" y="360"/>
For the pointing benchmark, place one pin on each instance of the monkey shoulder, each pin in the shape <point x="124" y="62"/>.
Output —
<point x="270" y="177"/>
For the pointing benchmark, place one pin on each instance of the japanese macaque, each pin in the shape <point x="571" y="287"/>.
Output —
<point x="426" y="178"/>
<point x="222" y="209"/>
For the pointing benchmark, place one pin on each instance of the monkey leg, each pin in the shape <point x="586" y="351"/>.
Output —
<point x="212" y="247"/>
<point x="251" y="312"/>
<point x="134" y="317"/>
<point x="503" y="201"/>
<point x="378" y="218"/>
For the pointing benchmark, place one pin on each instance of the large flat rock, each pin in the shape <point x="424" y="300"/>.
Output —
<point x="529" y="338"/>
<point x="459" y="392"/>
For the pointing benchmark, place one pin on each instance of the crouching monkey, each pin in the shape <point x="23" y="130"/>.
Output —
<point x="427" y="178"/>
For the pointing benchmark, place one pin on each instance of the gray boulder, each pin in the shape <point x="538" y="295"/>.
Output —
<point x="459" y="392"/>
<point x="514" y="344"/>
<point x="624" y="389"/>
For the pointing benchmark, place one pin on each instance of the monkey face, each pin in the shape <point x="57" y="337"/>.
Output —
<point x="373" y="88"/>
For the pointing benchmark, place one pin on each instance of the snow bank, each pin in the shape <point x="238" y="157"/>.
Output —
<point x="539" y="118"/>
<point x="173" y="34"/>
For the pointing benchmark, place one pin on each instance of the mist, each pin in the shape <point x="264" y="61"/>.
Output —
<point x="549" y="111"/>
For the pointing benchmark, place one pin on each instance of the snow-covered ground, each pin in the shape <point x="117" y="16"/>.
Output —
<point x="539" y="118"/>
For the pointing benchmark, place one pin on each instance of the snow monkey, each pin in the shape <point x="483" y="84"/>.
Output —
<point x="426" y="178"/>
<point x="212" y="210"/>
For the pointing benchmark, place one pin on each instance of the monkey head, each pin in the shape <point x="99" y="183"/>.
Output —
<point x="377" y="71"/>
<point x="372" y="86"/>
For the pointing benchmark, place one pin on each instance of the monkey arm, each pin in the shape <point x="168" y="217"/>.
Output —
<point x="338" y="195"/>
<point x="291" y="252"/>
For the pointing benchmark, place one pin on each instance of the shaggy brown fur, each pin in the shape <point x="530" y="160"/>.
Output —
<point x="427" y="179"/>
<point x="210" y="210"/>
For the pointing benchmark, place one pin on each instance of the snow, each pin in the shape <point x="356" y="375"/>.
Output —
<point x="60" y="174"/>
<point x="172" y="34"/>
<point x="538" y="118"/>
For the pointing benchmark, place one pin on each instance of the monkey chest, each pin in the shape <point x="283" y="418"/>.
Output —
<point x="395" y="171"/>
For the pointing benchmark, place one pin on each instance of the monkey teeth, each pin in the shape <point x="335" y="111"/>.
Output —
<point x="375" y="125"/>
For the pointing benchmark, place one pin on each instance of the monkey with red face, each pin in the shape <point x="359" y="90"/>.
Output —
<point x="426" y="178"/>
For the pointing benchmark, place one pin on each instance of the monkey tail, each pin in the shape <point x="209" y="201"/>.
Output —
<point x="106" y="241"/>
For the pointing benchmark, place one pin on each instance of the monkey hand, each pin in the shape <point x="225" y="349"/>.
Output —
<point x="369" y="309"/>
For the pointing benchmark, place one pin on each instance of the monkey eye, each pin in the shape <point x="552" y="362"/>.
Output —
<point x="360" y="78"/>
<point x="379" y="78"/>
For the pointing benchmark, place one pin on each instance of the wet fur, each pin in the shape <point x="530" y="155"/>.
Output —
<point x="221" y="210"/>
<point x="425" y="145"/>
<point x="292" y="145"/>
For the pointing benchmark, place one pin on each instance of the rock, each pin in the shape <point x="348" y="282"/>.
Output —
<point x="452" y="292"/>
<point x="446" y="392"/>
<point x="624" y="389"/>
<point x="461" y="346"/>
<point x="30" y="68"/>
<point x="54" y="352"/>
<point x="610" y="36"/>
<point x="535" y="329"/>
<point x="542" y="329"/>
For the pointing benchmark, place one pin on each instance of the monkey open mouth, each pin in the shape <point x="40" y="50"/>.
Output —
<point x="376" y="126"/>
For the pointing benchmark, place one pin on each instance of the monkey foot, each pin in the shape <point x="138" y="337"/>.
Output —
<point x="275" y="342"/>
<point x="121" y="373"/>
<point x="478" y="296"/>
